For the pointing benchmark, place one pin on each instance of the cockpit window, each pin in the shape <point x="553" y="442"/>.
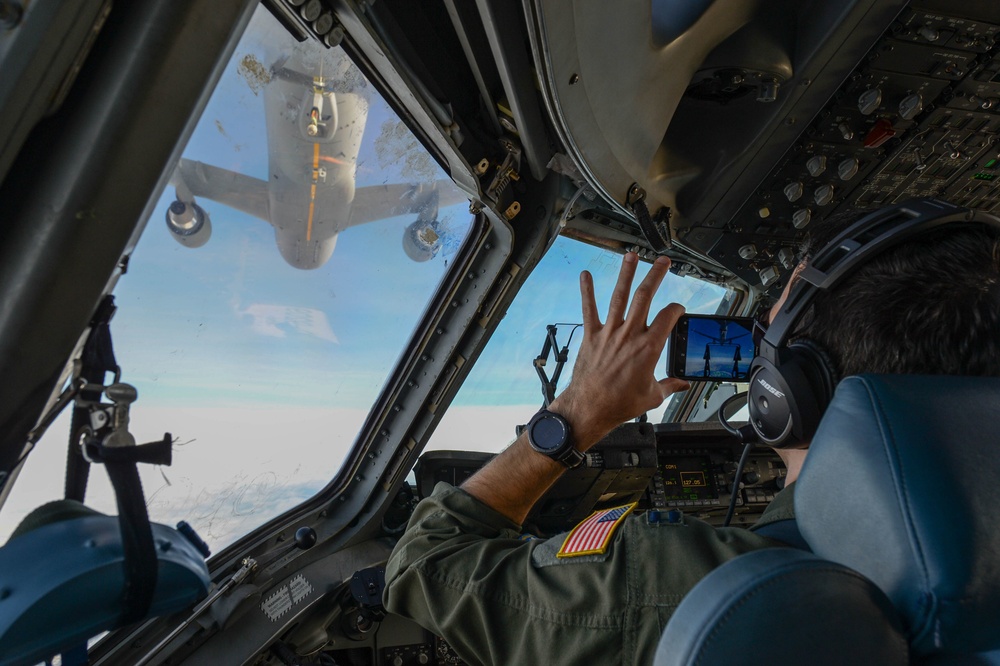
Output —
<point x="504" y="389"/>
<point x="279" y="277"/>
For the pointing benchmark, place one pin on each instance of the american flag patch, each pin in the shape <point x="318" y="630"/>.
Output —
<point x="591" y="537"/>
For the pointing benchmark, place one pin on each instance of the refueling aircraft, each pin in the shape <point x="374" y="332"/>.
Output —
<point x="315" y="124"/>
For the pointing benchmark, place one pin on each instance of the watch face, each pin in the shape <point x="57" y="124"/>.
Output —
<point x="548" y="433"/>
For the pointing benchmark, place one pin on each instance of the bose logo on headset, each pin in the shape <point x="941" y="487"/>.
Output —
<point x="799" y="375"/>
<point x="776" y="392"/>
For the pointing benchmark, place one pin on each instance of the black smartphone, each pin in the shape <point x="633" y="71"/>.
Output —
<point x="711" y="348"/>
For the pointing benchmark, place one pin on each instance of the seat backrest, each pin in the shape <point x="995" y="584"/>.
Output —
<point x="783" y="606"/>
<point x="899" y="485"/>
<point x="895" y="502"/>
<point x="62" y="581"/>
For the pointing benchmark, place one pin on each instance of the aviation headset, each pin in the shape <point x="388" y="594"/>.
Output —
<point x="792" y="384"/>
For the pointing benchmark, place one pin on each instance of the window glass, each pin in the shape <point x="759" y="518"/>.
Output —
<point x="262" y="348"/>
<point x="504" y="389"/>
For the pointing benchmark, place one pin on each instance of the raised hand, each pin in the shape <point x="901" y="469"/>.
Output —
<point x="613" y="379"/>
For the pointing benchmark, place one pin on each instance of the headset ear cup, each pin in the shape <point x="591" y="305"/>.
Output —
<point x="820" y="374"/>
<point x="787" y="398"/>
<point x="825" y="374"/>
<point x="769" y="403"/>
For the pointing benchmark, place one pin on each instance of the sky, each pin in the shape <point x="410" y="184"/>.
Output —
<point x="264" y="373"/>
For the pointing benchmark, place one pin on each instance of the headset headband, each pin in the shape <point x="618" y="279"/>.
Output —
<point x="855" y="245"/>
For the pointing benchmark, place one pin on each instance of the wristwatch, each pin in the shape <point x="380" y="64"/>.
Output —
<point x="550" y="435"/>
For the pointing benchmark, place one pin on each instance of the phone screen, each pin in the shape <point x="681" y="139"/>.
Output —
<point x="711" y="348"/>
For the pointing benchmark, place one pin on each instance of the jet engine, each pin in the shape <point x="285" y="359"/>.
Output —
<point x="188" y="223"/>
<point x="422" y="240"/>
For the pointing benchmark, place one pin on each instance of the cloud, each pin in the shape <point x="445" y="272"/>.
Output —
<point x="274" y="320"/>
<point x="233" y="468"/>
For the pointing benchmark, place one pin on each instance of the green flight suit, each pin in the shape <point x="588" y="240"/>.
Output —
<point x="462" y="571"/>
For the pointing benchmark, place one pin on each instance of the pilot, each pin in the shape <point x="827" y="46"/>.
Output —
<point x="462" y="568"/>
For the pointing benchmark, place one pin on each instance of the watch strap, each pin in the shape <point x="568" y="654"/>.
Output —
<point x="571" y="457"/>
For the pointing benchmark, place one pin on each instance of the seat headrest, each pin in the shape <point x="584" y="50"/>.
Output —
<point x="783" y="606"/>
<point x="898" y="485"/>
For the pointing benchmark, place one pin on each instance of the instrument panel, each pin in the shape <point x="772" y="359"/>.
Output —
<point x="686" y="466"/>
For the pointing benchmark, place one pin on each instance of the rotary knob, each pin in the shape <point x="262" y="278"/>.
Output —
<point x="768" y="276"/>
<point x="869" y="101"/>
<point x="848" y="168"/>
<point x="911" y="106"/>
<point x="816" y="165"/>
<point x="786" y="256"/>
<point x="793" y="191"/>
<point x="801" y="217"/>
<point x="823" y="195"/>
<point x="929" y="33"/>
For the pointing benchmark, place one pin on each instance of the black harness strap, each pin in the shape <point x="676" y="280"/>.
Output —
<point x="141" y="563"/>
<point x="98" y="358"/>
<point x="87" y="445"/>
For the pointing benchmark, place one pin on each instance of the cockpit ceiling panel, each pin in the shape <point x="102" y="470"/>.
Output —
<point x="730" y="118"/>
<point x="920" y="116"/>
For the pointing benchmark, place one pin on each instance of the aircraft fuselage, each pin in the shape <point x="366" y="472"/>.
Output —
<point x="314" y="137"/>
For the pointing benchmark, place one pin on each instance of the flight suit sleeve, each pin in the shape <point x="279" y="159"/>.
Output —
<point x="462" y="571"/>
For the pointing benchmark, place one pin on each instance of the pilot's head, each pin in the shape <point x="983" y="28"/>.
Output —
<point x="930" y="305"/>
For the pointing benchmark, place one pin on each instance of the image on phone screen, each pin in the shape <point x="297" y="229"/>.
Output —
<point x="712" y="348"/>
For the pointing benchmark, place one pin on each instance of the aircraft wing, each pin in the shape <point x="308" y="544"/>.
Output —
<point x="236" y="190"/>
<point x="378" y="202"/>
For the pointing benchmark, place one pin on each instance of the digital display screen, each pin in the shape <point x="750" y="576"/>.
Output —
<point x="687" y="478"/>
<point x="720" y="349"/>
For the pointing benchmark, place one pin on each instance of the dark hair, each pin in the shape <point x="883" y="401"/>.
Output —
<point x="929" y="306"/>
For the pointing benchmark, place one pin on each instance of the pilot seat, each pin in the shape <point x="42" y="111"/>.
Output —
<point x="902" y="565"/>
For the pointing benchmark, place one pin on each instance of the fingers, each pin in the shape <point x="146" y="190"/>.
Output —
<point x="672" y="385"/>
<point x="619" y="298"/>
<point x="638" y="312"/>
<point x="665" y="321"/>
<point x="591" y="319"/>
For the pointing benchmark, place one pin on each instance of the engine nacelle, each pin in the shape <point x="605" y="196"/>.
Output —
<point x="188" y="223"/>
<point x="422" y="240"/>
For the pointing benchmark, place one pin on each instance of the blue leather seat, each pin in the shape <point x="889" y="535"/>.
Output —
<point x="896" y="502"/>
<point x="62" y="582"/>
